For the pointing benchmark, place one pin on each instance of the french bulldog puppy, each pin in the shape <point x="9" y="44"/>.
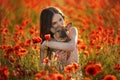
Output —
<point x="61" y="33"/>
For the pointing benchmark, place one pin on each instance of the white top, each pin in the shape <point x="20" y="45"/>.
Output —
<point x="67" y="57"/>
<point x="66" y="47"/>
<point x="69" y="50"/>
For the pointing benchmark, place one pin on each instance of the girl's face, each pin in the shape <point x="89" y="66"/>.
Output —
<point x="57" y="21"/>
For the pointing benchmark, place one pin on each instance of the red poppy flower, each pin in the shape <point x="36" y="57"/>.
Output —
<point x="5" y="73"/>
<point x="109" y="77"/>
<point x="56" y="76"/>
<point x="117" y="67"/>
<point x="40" y="74"/>
<point x="93" y="69"/>
<point x="36" y="40"/>
<point x="75" y="66"/>
<point x="98" y="47"/>
<point x="79" y="41"/>
<point x="46" y="60"/>
<point x="68" y="69"/>
<point x="27" y="43"/>
<point x="98" y="66"/>
<point x="47" y="37"/>
<point x="22" y="52"/>
<point x="83" y="47"/>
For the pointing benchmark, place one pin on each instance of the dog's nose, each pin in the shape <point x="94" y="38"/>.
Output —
<point x="63" y="34"/>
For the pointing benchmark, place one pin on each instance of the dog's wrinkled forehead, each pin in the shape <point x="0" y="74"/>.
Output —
<point x="53" y="30"/>
<point x="60" y="28"/>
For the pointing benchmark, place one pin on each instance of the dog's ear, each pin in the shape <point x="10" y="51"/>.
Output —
<point x="69" y="25"/>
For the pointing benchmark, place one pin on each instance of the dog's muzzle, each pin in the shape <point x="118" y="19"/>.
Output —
<point x="63" y="34"/>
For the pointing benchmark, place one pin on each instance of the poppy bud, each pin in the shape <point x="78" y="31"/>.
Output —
<point x="47" y="36"/>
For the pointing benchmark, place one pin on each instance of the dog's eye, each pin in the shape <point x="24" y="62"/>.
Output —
<point x="58" y="30"/>
<point x="65" y="29"/>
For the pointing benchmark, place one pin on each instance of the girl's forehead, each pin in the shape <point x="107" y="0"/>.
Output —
<point x="56" y="17"/>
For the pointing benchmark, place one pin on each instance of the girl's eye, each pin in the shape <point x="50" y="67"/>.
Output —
<point x="54" y="23"/>
<point x="60" y="19"/>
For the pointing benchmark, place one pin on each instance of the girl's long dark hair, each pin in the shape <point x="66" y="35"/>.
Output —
<point x="46" y="22"/>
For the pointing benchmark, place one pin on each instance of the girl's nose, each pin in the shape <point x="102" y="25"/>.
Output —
<point x="60" y="24"/>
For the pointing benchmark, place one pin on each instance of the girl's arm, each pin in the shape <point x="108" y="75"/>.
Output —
<point x="67" y="46"/>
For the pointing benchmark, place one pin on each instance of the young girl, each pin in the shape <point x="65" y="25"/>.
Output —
<point x="50" y="19"/>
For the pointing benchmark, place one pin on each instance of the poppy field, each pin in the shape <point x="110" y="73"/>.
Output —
<point x="98" y="24"/>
